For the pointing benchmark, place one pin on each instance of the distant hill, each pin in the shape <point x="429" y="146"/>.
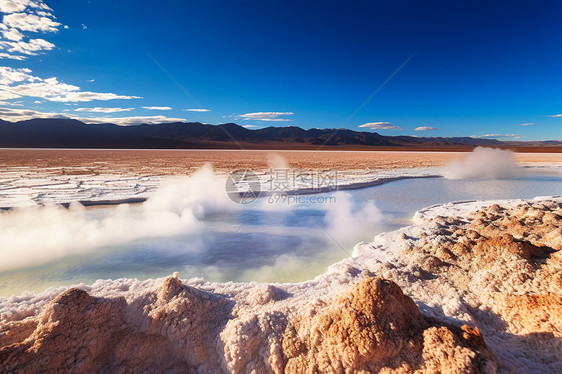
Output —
<point x="68" y="133"/>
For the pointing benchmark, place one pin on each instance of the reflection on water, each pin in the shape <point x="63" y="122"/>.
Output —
<point x="261" y="243"/>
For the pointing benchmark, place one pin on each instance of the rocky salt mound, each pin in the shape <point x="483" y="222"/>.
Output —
<point x="370" y="327"/>
<point x="470" y="288"/>
<point x="495" y="266"/>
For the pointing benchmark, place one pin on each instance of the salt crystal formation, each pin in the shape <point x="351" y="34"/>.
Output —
<point x="471" y="288"/>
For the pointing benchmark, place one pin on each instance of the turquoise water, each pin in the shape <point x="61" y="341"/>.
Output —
<point x="265" y="243"/>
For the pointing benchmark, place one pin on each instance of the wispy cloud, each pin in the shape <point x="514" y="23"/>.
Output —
<point x="380" y="126"/>
<point x="17" y="83"/>
<point x="103" y="110"/>
<point x="515" y="136"/>
<point x="527" y="124"/>
<point x="30" y="22"/>
<point x="267" y="116"/>
<point x="157" y="107"/>
<point x="197" y="110"/>
<point x="15" y="115"/>
<point x="14" y="6"/>
<point x="133" y="120"/>
<point x="23" y="17"/>
<point x="250" y="126"/>
<point x="425" y="128"/>
<point x="556" y="115"/>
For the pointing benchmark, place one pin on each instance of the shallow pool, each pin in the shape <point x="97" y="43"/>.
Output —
<point x="268" y="242"/>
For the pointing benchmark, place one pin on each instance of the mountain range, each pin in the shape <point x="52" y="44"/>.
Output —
<point x="70" y="133"/>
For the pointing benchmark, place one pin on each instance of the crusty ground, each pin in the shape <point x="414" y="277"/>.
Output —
<point x="499" y="266"/>
<point x="373" y="327"/>
<point x="506" y="265"/>
<point x="173" y="162"/>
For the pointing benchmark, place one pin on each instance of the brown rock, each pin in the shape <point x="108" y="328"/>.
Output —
<point x="376" y="327"/>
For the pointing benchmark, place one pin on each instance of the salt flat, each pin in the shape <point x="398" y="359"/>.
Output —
<point x="38" y="176"/>
<point x="471" y="287"/>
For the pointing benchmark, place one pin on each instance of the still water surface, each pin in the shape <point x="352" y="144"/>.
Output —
<point x="260" y="242"/>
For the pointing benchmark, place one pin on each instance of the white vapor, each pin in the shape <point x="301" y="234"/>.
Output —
<point x="345" y="219"/>
<point x="36" y="235"/>
<point x="484" y="163"/>
<point x="276" y="161"/>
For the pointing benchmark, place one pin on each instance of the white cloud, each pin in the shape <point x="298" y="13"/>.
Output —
<point x="30" y="22"/>
<point x="11" y="56"/>
<point x="527" y="124"/>
<point x="12" y="34"/>
<point x="198" y="110"/>
<point x="15" y="83"/>
<point x="31" y="47"/>
<point x="556" y="115"/>
<point x="266" y="116"/>
<point x="515" y="136"/>
<point x="14" y="6"/>
<point x="45" y="14"/>
<point x="7" y="95"/>
<point x="84" y="27"/>
<point x="249" y="126"/>
<point x="21" y="17"/>
<point x="157" y="107"/>
<point x="133" y="120"/>
<point x="380" y="126"/>
<point x="103" y="110"/>
<point x="425" y="128"/>
<point x="11" y="75"/>
<point x="15" y="115"/>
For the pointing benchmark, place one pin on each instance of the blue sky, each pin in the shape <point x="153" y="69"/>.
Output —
<point x="446" y="68"/>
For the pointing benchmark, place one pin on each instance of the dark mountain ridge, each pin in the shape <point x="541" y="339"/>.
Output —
<point x="69" y="133"/>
